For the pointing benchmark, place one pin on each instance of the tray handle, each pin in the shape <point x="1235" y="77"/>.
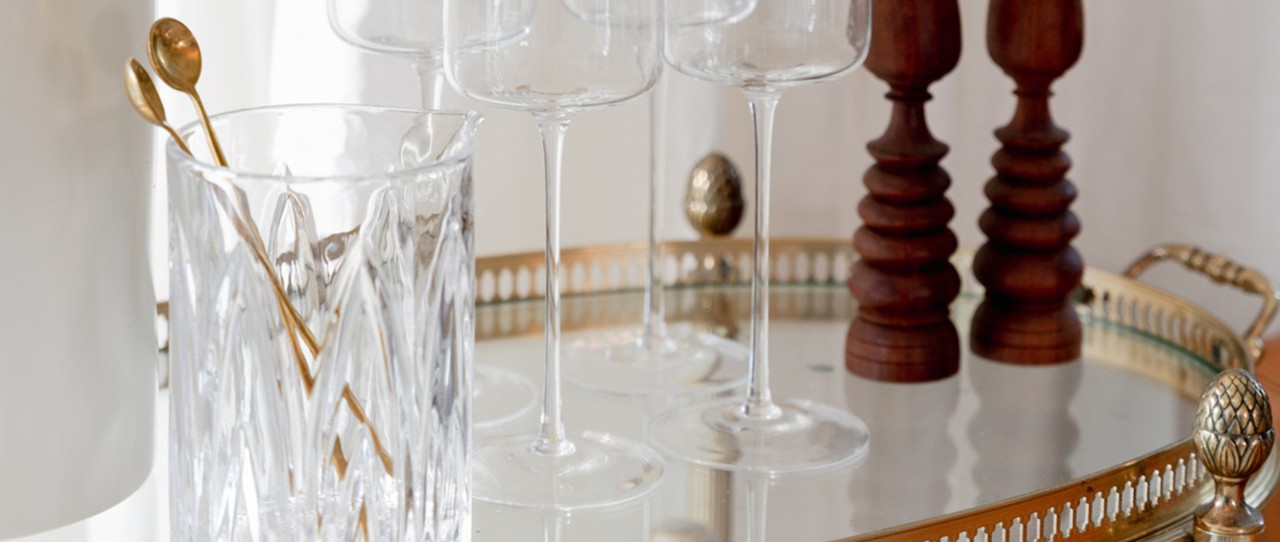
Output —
<point x="1223" y="271"/>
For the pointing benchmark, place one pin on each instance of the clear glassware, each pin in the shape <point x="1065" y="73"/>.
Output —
<point x="655" y="358"/>
<point x="561" y="59"/>
<point x="323" y="327"/>
<point x="778" y="45"/>
<point x="413" y="29"/>
<point x="407" y="28"/>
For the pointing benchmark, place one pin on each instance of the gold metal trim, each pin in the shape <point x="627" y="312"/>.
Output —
<point x="1234" y="437"/>
<point x="613" y="268"/>
<point x="1150" y="497"/>
<point x="1223" y="271"/>
<point x="1153" y="495"/>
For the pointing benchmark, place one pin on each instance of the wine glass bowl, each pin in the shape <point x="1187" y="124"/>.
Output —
<point x="397" y="27"/>
<point x="601" y="59"/>
<point x="691" y="14"/>
<point x="778" y="45"/>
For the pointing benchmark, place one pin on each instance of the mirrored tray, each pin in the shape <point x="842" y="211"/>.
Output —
<point x="1092" y="449"/>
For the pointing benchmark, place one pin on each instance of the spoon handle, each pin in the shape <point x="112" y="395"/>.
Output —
<point x="177" y="139"/>
<point x="214" y="146"/>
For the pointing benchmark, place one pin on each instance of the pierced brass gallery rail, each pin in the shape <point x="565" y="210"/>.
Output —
<point x="1154" y="493"/>
<point x="1223" y="271"/>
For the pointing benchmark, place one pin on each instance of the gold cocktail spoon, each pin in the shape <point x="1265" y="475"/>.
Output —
<point x="175" y="56"/>
<point x="146" y="101"/>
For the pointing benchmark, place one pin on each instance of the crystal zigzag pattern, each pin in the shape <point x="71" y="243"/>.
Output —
<point x="368" y="440"/>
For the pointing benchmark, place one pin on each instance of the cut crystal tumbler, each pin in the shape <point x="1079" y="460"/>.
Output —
<point x="322" y="333"/>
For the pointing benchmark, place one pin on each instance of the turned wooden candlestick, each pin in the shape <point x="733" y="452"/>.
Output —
<point x="904" y="281"/>
<point x="1028" y="265"/>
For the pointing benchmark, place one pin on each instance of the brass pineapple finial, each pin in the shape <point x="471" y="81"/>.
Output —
<point x="714" y="202"/>
<point x="1233" y="436"/>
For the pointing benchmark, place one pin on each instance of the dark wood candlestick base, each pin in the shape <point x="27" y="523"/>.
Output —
<point x="904" y="281"/>
<point x="1028" y="266"/>
<point x="1027" y="316"/>
<point x="902" y="354"/>
<point x="1025" y="338"/>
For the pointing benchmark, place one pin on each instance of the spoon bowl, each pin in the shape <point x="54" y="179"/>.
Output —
<point x="175" y="55"/>
<point x="146" y="100"/>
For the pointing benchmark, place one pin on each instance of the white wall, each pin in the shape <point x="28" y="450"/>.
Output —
<point x="1172" y="109"/>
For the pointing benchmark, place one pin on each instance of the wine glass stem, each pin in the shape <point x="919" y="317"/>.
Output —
<point x="654" y="317"/>
<point x="430" y="72"/>
<point x="759" y="400"/>
<point x="552" y="526"/>
<point x="551" y="436"/>
<point x="758" y="513"/>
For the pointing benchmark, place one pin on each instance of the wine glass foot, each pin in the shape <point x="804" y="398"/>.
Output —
<point x="682" y="361"/>
<point x="601" y="470"/>
<point x="500" y="396"/>
<point x="795" y="436"/>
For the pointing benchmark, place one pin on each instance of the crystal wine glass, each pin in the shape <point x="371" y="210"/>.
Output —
<point x="413" y="29"/>
<point x="564" y="60"/>
<point x="654" y="358"/>
<point x="406" y="28"/>
<point x="780" y="44"/>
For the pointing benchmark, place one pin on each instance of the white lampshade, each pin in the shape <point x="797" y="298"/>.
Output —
<point x="77" y="347"/>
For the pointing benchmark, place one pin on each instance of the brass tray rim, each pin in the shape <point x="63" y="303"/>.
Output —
<point x="1166" y="507"/>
